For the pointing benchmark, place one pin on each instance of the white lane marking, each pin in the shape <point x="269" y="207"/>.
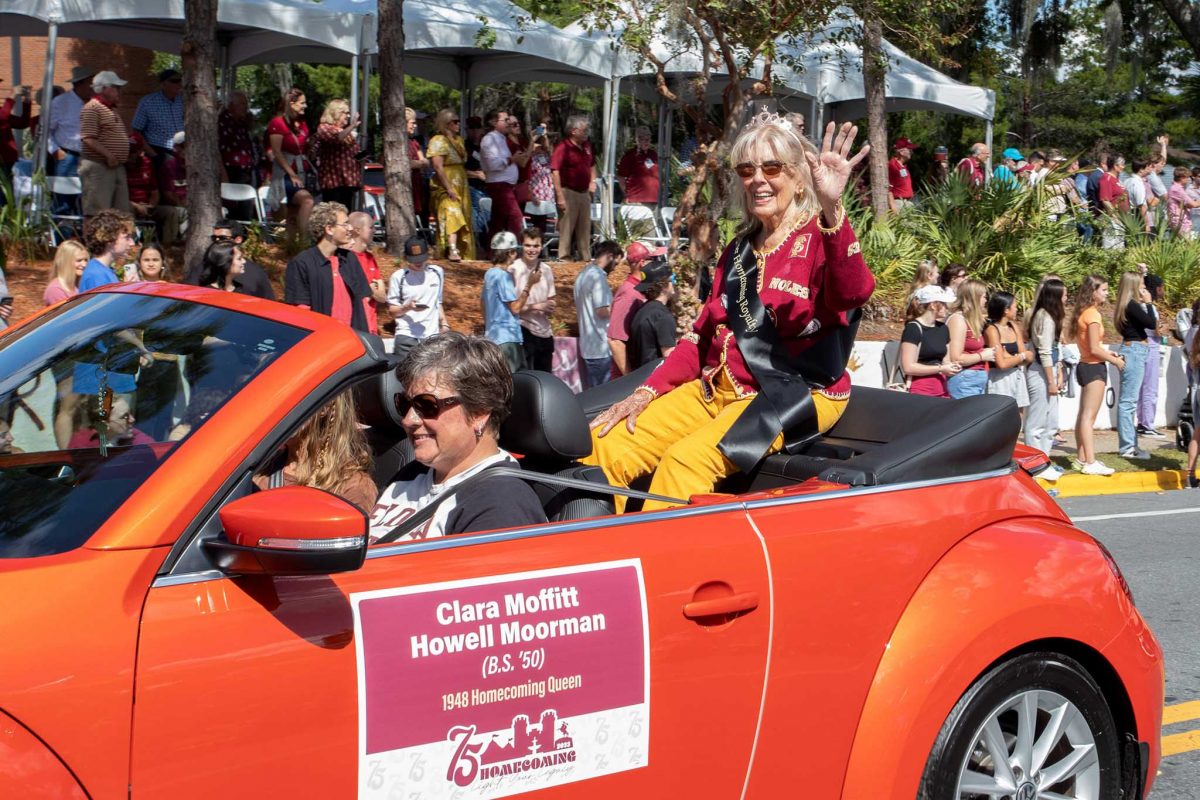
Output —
<point x="762" y="706"/>
<point x="1163" y="513"/>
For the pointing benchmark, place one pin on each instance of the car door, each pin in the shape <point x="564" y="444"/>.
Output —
<point x="613" y="657"/>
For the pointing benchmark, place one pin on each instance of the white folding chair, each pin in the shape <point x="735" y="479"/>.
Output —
<point x="71" y="187"/>
<point x="640" y="223"/>
<point x="243" y="193"/>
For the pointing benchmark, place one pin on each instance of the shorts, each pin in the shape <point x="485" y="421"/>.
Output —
<point x="968" y="383"/>
<point x="1086" y="373"/>
<point x="1010" y="383"/>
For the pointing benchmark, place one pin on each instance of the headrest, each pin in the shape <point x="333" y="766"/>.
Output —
<point x="373" y="399"/>
<point x="546" y="420"/>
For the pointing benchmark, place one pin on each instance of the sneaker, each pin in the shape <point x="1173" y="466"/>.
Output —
<point x="1193" y="481"/>
<point x="1153" y="433"/>
<point x="1135" y="453"/>
<point x="1050" y="473"/>
<point x="1096" y="468"/>
<point x="1077" y="465"/>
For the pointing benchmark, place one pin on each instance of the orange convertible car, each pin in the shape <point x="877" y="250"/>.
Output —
<point x="896" y="612"/>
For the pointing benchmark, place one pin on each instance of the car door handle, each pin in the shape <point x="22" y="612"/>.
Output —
<point x="730" y="604"/>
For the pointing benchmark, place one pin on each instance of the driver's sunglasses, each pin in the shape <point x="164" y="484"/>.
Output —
<point x="770" y="169"/>
<point x="426" y="405"/>
<point x="221" y="237"/>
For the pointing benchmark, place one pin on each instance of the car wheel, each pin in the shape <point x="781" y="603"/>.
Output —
<point x="1033" y="728"/>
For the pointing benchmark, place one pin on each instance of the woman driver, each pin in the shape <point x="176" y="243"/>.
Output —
<point x="786" y="282"/>
<point x="458" y="391"/>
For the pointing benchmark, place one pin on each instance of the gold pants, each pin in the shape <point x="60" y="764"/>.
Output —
<point x="676" y="438"/>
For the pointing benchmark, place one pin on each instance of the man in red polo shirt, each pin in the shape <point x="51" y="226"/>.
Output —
<point x="900" y="188"/>
<point x="573" y="169"/>
<point x="973" y="167"/>
<point x="638" y="171"/>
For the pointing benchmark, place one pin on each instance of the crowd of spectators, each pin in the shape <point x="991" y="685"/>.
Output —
<point x="960" y="339"/>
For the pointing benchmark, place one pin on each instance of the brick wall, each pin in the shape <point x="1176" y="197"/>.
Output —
<point x="131" y="63"/>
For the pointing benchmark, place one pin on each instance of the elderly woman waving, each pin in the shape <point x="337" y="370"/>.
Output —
<point x="756" y="366"/>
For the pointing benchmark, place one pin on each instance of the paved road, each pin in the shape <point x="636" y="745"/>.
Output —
<point x="1155" y="539"/>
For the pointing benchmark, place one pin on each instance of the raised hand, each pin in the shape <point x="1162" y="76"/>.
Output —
<point x="832" y="167"/>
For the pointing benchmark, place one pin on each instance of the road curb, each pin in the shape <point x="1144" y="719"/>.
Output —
<point x="1077" y="485"/>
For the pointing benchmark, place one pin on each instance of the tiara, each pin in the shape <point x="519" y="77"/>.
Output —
<point x="764" y="118"/>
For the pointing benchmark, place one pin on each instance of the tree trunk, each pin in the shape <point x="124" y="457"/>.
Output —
<point x="399" y="213"/>
<point x="200" y="124"/>
<point x="1186" y="16"/>
<point x="874" y="84"/>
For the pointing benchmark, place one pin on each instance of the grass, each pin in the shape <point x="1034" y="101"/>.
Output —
<point x="1168" y="457"/>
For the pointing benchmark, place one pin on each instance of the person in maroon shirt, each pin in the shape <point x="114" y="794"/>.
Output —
<point x="417" y="163"/>
<point x="900" y="187"/>
<point x="573" y="170"/>
<point x="144" y="197"/>
<point x="974" y="167"/>
<point x="237" y="151"/>
<point x="1112" y="200"/>
<point x="638" y="171"/>
<point x="9" y="122"/>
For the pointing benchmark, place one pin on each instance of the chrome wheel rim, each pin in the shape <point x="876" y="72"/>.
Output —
<point x="1036" y="745"/>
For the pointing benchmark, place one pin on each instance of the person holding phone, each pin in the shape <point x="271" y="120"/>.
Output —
<point x="415" y="295"/>
<point x="14" y="115"/>
<point x="333" y="150"/>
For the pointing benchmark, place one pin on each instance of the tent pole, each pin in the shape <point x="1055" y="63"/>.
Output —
<point x="14" y="44"/>
<point x="812" y="123"/>
<point x="354" y="86"/>
<point x="464" y="95"/>
<point x="365" y="100"/>
<point x="39" y="158"/>
<point x="664" y="153"/>
<point x="608" y="128"/>
<point x="988" y="141"/>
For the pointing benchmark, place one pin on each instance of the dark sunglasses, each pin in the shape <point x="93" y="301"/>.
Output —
<point x="426" y="405"/>
<point x="770" y="169"/>
<point x="221" y="237"/>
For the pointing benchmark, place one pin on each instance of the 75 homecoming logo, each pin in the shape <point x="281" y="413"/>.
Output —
<point x="524" y="748"/>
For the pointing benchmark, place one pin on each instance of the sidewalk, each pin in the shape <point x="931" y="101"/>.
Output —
<point x="1163" y="470"/>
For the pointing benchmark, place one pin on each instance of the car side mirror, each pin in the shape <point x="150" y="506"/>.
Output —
<point x="294" y="530"/>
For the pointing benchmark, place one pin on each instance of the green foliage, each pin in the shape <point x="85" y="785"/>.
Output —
<point x="1177" y="261"/>
<point x="20" y="232"/>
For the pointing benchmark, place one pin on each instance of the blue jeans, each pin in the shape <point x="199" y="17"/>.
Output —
<point x="1131" y="385"/>
<point x="967" y="383"/>
<point x="598" y="370"/>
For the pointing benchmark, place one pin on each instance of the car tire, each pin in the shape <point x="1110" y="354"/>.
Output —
<point x="1073" y="735"/>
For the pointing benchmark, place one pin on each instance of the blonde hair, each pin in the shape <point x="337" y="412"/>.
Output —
<point x="772" y="140"/>
<point x="333" y="110"/>
<point x="442" y="123"/>
<point x="1127" y="290"/>
<point x="64" y="262"/>
<point x="330" y="445"/>
<point x="926" y="274"/>
<point x="971" y="302"/>
<point x="409" y="113"/>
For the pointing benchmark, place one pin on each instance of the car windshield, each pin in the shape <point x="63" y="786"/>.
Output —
<point x="95" y="396"/>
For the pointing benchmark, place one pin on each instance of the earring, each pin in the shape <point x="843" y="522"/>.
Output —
<point x="478" y="434"/>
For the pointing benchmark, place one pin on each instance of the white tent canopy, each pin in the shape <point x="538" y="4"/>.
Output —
<point x="835" y="66"/>
<point x="245" y="27"/>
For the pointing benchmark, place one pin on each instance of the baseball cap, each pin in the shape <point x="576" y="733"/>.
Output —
<point x="933" y="293"/>
<point x="655" y="270"/>
<point x="169" y="74"/>
<point x="505" y="240"/>
<point x="105" y="78"/>
<point x="940" y="153"/>
<point x="416" y="249"/>
<point x="1054" y="155"/>
<point x="1014" y="154"/>
<point x="905" y="143"/>
<point x="637" y="252"/>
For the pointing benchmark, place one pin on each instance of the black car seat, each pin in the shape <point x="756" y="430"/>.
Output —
<point x="547" y="427"/>
<point x="390" y="447"/>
